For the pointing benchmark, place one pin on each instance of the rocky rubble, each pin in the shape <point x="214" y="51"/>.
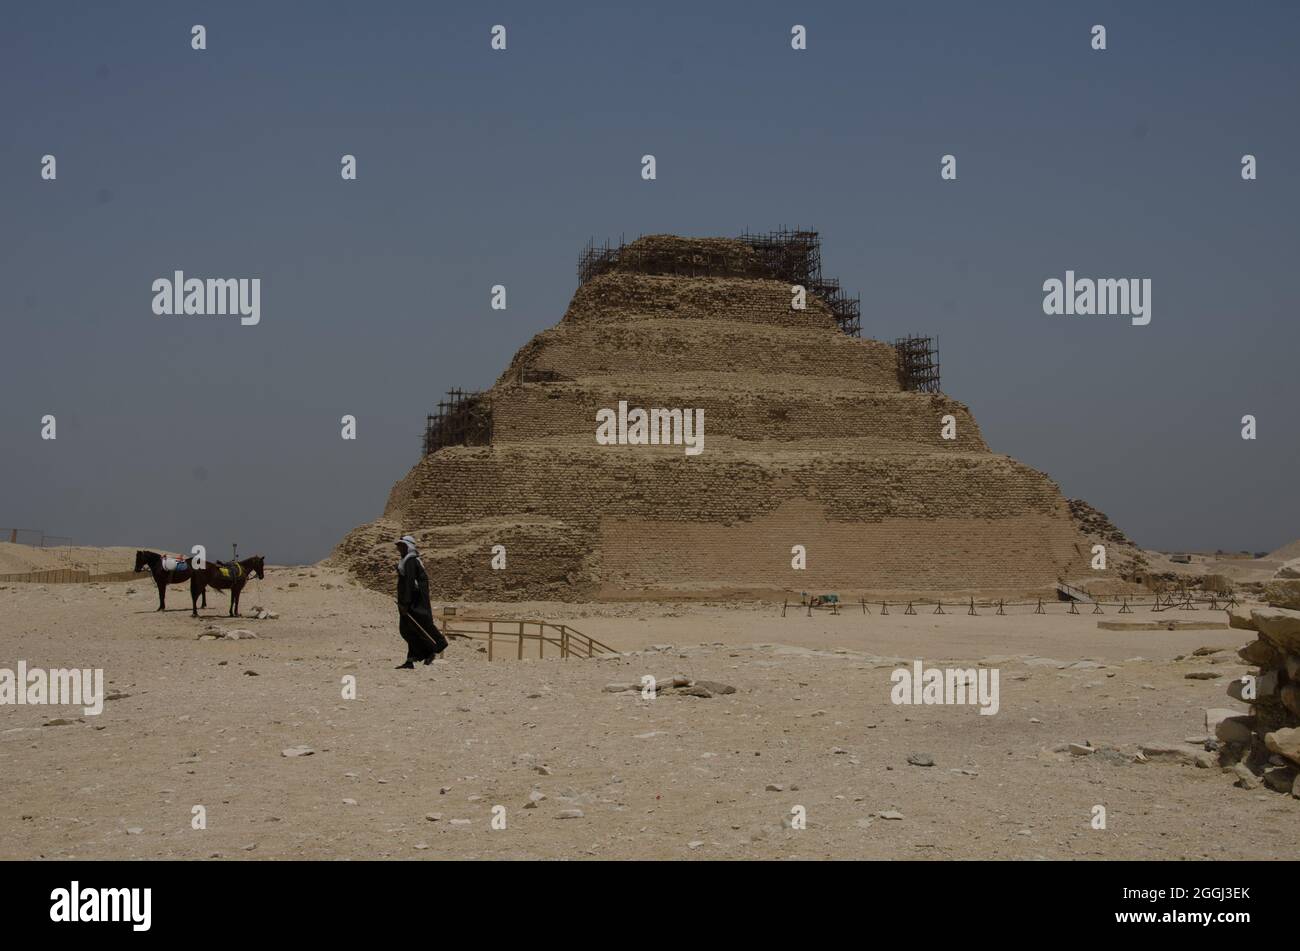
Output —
<point x="1266" y="743"/>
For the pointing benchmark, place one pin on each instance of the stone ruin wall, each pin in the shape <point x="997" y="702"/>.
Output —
<point x="1264" y="745"/>
<point x="809" y="439"/>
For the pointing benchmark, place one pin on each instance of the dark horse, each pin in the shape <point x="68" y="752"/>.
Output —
<point x="161" y="576"/>
<point x="224" y="576"/>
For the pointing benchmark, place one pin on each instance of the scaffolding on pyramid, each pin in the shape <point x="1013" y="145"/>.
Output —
<point x="463" y="419"/>
<point x="793" y="256"/>
<point x="918" y="364"/>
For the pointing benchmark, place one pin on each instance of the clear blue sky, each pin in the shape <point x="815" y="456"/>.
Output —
<point x="478" y="168"/>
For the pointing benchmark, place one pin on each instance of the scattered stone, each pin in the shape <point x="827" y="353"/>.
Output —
<point x="890" y="814"/>
<point x="1082" y="749"/>
<point x="1245" y="778"/>
<point x="1234" y="729"/>
<point x="714" y="687"/>
<point x="696" y="690"/>
<point x="619" y="687"/>
<point x="921" y="759"/>
<point x="433" y="816"/>
<point x="1280" y="778"/>
<point x="298" y="751"/>
<point x="569" y="814"/>
<point x="1200" y="675"/>
<point x="1178" y="753"/>
<point x="349" y="802"/>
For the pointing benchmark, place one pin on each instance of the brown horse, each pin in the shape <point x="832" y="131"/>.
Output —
<point x="223" y="576"/>
<point x="162" y="577"/>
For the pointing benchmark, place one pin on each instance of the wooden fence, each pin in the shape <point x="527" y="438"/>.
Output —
<point x="505" y="633"/>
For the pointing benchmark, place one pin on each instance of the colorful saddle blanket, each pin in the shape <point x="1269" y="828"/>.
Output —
<point x="231" y="571"/>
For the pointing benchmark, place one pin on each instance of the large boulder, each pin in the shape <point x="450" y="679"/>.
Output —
<point x="1289" y="569"/>
<point x="1284" y="594"/>
<point x="1260" y="653"/>
<point x="1229" y="726"/>
<point x="1279" y="625"/>
<point x="1239" y="617"/>
<point x="1291" y="698"/>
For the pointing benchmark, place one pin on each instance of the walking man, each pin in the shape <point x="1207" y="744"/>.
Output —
<point x="424" y="642"/>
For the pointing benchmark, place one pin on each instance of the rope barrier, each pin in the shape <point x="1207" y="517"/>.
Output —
<point x="1183" y="601"/>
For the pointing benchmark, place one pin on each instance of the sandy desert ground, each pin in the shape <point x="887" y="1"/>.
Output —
<point x="413" y="767"/>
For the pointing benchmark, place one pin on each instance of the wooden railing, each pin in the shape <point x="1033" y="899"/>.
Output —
<point x="514" y="633"/>
<point x="1068" y="592"/>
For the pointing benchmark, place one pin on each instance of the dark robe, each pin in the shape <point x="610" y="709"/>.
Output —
<point x="416" y="612"/>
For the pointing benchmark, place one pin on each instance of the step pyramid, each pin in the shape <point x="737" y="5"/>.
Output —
<point x="812" y="437"/>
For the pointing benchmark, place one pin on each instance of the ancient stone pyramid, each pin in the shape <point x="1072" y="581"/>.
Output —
<point x="812" y="438"/>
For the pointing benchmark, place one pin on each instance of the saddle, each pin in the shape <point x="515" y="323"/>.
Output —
<point x="230" y="571"/>
<point x="175" y="565"/>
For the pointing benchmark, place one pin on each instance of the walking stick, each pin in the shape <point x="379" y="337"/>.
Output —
<point x="408" y="614"/>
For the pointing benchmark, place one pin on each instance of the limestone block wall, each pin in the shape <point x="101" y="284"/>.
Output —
<point x="532" y="412"/>
<point x="577" y="485"/>
<point x="854" y="558"/>
<point x="544" y="558"/>
<point x="619" y="297"/>
<point x="667" y="345"/>
<point x="627" y="525"/>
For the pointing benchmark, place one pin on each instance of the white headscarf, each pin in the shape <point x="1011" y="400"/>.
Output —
<point x="411" y="552"/>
